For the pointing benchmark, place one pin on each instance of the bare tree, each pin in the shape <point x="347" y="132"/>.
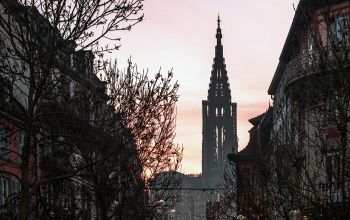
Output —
<point x="42" y="59"/>
<point x="143" y="145"/>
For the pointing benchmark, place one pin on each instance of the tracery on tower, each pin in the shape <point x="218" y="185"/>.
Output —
<point x="219" y="118"/>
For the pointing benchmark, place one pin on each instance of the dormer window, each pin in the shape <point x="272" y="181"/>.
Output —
<point x="83" y="62"/>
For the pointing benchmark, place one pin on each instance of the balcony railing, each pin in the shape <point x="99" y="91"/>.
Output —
<point x="310" y="62"/>
<point x="301" y="66"/>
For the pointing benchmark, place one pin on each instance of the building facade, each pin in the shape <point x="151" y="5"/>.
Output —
<point x="251" y="164"/>
<point x="310" y="92"/>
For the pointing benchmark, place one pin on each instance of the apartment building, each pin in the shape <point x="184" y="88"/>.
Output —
<point x="310" y="93"/>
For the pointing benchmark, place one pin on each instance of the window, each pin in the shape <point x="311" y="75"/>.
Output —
<point x="216" y="156"/>
<point x="72" y="88"/>
<point x="219" y="73"/>
<point x="222" y="135"/>
<point x="72" y="60"/>
<point x="310" y="47"/>
<point x="86" y="205"/>
<point x="339" y="30"/>
<point x="69" y="199"/>
<point x="283" y="118"/>
<point x="4" y="191"/>
<point x="20" y="144"/>
<point x="56" y="86"/>
<point x="333" y="167"/>
<point x="333" y="162"/>
<point x="92" y="117"/>
<point x="4" y="144"/>
<point x="15" y="196"/>
<point x="334" y="105"/>
<point x="216" y="89"/>
<point x="48" y="193"/>
<point x="310" y="42"/>
<point x="220" y="88"/>
<point x="5" y="90"/>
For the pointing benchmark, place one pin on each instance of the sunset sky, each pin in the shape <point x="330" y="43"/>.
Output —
<point x="180" y="35"/>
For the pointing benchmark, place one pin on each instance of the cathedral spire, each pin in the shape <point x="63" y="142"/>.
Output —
<point x="219" y="86"/>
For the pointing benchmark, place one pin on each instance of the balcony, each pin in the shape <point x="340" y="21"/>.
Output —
<point x="302" y="66"/>
<point x="309" y="63"/>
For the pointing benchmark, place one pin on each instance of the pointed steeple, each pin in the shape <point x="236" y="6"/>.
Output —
<point x="219" y="88"/>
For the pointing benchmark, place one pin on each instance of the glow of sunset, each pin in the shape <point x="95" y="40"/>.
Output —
<point x="180" y="35"/>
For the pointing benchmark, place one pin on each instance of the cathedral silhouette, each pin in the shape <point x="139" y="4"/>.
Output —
<point x="219" y="120"/>
<point x="219" y="132"/>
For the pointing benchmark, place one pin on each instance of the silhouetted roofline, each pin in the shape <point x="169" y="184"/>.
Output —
<point x="281" y="66"/>
<point x="256" y="120"/>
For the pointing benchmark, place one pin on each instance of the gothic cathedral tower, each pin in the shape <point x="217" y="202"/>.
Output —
<point x="219" y="120"/>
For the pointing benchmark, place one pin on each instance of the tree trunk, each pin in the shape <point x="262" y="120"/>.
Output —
<point x="25" y="179"/>
<point x="26" y="152"/>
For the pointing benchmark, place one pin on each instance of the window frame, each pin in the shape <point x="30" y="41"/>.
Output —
<point x="20" y="145"/>
<point x="4" y="194"/>
<point x="5" y="90"/>
<point x="338" y="30"/>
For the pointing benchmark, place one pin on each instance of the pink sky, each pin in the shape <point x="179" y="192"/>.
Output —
<point x="180" y="34"/>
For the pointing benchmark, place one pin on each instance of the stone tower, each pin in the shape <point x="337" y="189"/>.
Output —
<point x="219" y="120"/>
